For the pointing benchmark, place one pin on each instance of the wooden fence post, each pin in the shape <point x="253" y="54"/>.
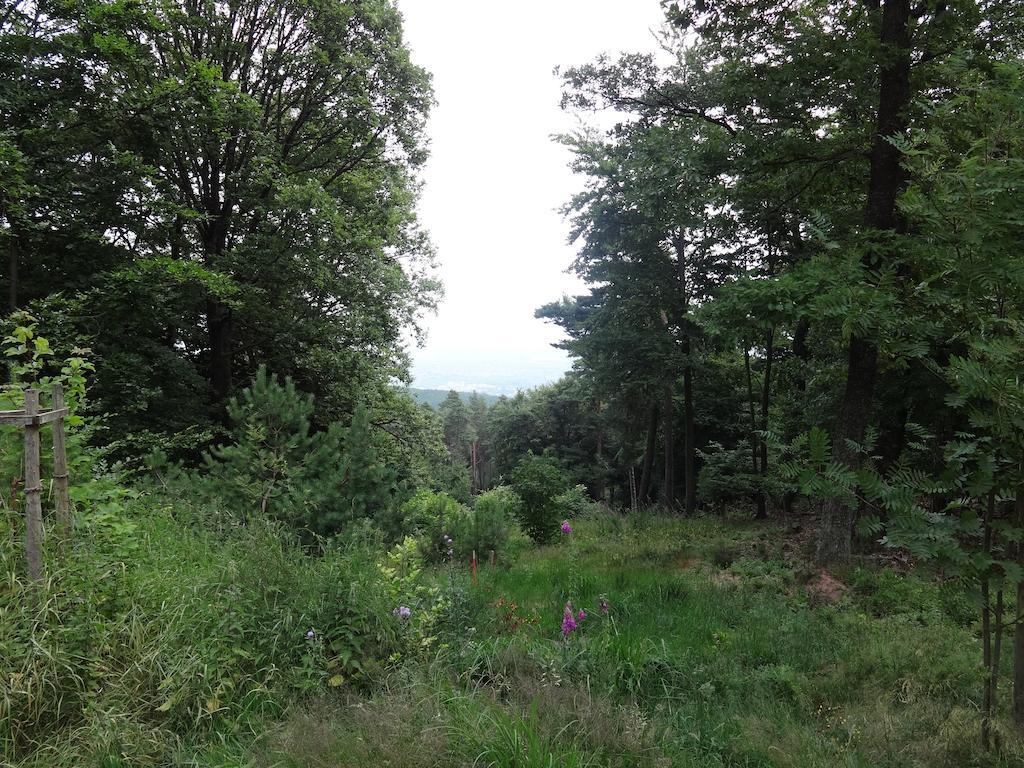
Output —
<point x="60" y="467"/>
<point x="33" y="489"/>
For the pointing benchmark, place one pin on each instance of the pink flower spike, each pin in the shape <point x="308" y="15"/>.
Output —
<point x="581" y="615"/>
<point x="566" y="528"/>
<point x="568" y="625"/>
<point x="568" y="622"/>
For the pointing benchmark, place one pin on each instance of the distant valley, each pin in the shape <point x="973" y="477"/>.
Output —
<point x="434" y="397"/>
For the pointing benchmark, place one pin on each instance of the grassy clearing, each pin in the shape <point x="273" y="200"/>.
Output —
<point x="714" y="654"/>
<point x="162" y="643"/>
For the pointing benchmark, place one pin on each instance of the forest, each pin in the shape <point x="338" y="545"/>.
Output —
<point x="773" y="516"/>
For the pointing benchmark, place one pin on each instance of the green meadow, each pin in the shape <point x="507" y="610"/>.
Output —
<point x="716" y="650"/>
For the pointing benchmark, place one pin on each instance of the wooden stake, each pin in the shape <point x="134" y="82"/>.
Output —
<point x="60" y="467"/>
<point x="473" y="566"/>
<point x="33" y="489"/>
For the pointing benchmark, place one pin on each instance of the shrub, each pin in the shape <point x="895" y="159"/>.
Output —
<point x="885" y="592"/>
<point x="575" y="502"/>
<point x="768" y="575"/>
<point x="538" y="480"/>
<point x="277" y="465"/>
<point x="433" y="516"/>
<point x="407" y="584"/>
<point x="494" y="514"/>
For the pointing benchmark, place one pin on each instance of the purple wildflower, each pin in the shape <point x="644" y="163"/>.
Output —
<point x="311" y="634"/>
<point x="568" y="622"/>
<point x="566" y="528"/>
<point x="402" y="612"/>
<point x="581" y="615"/>
<point x="603" y="605"/>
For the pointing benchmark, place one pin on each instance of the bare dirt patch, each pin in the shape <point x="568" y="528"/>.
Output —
<point x="825" y="589"/>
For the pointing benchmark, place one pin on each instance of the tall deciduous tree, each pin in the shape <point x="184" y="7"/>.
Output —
<point x="246" y="173"/>
<point x="803" y="102"/>
<point x="281" y="136"/>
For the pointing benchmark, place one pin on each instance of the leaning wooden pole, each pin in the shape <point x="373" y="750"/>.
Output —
<point x="33" y="490"/>
<point x="60" y="467"/>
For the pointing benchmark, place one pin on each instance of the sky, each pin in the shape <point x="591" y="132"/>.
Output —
<point x="495" y="180"/>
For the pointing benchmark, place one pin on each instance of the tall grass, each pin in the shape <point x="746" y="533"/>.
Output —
<point x="154" y="633"/>
<point x="703" y="661"/>
<point x="172" y="636"/>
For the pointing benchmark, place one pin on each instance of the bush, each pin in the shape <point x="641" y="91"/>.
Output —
<point x="575" y="502"/>
<point x="724" y="554"/>
<point x="410" y="586"/>
<point x="886" y="592"/>
<point x="277" y="465"/>
<point x="433" y="516"/>
<point x="538" y="480"/>
<point x="494" y="515"/>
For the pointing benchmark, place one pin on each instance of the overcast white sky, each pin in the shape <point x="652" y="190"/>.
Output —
<point x="495" y="180"/>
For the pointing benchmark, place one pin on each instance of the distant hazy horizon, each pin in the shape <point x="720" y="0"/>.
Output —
<point x="496" y="180"/>
<point x="492" y="374"/>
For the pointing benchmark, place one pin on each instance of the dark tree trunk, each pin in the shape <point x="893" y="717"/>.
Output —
<point x="599" y="485"/>
<point x="474" y="467"/>
<point x="836" y="534"/>
<point x="1018" y="630"/>
<point x="647" y="470"/>
<point x="689" y="439"/>
<point x="884" y="185"/>
<point x="750" y="403"/>
<point x="986" y="661"/>
<point x="669" y="489"/>
<point x="177" y="239"/>
<point x="892" y="437"/>
<point x="802" y="352"/>
<point x="218" y="318"/>
<point x="991" y="632"/>
<point x="12" y="275"/>
<point x="769" y="355"/>
<point x="689" y="436"/>
<point x="997" y="644"/>
<point x="986" y="635"/>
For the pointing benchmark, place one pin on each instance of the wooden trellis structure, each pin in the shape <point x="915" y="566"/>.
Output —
<point x="31" y="418"/>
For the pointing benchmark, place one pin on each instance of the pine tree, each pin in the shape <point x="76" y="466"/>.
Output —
<point x="277" y="465"/>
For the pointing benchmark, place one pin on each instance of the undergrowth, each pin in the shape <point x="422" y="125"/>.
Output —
<point x="695" y="664"/>
<point x="170" y="636"/>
